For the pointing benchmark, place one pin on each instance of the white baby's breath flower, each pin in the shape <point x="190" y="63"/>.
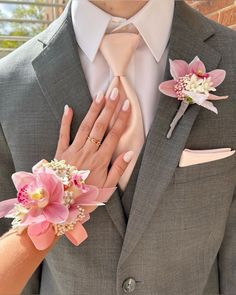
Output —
<point x="206" y="86"/>
<point x="18" y="213"/>
<point x="193" y="84"/>
<point x="199" y="85"/>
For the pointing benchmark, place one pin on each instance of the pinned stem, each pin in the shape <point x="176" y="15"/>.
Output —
<point x="183" y="107"/>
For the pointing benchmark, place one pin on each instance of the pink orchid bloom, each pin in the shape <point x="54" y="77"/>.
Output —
<point x="79" y="178"/>
<point x="41" y="193"/>
<point x="182" y="72"/>
<point x="42" y="234"/>
<point x="88" y="202"/>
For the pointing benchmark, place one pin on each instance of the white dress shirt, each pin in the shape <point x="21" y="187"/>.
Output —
<point x="147" y="65"/>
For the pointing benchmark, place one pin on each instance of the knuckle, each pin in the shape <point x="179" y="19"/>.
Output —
<point x="110" y="106"/>
<point x="113" y="134"/>
<point x="99" y="126"/>
<point x="121" y="127"/>
<point x="85" y="127"/>
<point x="119" y="169"/>
<point x="103" y="158"/>
<point x="61" y="134"/>
<point x="94" y="109"/>
<point x="121" y="123"/>
<point x="64" y="120"/>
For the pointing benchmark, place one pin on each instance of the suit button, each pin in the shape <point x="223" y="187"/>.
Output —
<point x="129" y="285"/>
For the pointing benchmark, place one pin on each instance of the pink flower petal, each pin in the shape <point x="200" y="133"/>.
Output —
<point x="89" y="196"/>
<point x="51" y="183"/>
<point x="216" y="97"/>
<point x="178" y="68"/>
<point x="83" y="174"/>
<point x="89" y="209"/>
<point x="55" y="213"/>
<point x="38" y="228"/>
<point x="167" y="88"/>
<point x="86" y="218"/>
<point x="209" y="105"/>
<point x="22" y="178"/>
<point x="91" y="203"/>
<point x="6" y="206"/>
<point x="197" y="66"/>
<point x="198" y="98"/>
<point x="77" y="235"/>
<point x="38" y="165"/>
<point x="33" y="216"/>
<point x="44" y="240"/>
<point x="73" y="212"/>
<point x="217" y="77"/>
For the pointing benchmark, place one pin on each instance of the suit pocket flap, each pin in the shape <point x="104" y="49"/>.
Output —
<point x="189" y="173"/>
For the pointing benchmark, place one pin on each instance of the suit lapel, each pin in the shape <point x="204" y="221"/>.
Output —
<point x="62" y="81"/>
<point x="59" y="72"/>
<point x="161" y="155"/>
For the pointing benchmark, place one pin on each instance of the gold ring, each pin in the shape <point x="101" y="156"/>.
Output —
<point x="94" y="140"/>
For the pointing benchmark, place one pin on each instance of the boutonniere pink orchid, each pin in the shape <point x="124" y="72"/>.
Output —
<point x="192" y="84"/>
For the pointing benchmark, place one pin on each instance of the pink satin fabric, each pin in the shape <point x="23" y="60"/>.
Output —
<point x="193" y="157"/>
<point x="117" y="49"/>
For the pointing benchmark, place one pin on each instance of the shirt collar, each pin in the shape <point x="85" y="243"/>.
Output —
<point x="153" y="22"/>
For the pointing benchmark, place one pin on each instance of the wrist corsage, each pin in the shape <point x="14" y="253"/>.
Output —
<point x="53" y="200"/>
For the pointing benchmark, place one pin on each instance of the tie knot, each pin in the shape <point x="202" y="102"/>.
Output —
<point x="117" y="49"/>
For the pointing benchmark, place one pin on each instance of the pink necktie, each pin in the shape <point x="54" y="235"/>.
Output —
<point x="117" y="49"/>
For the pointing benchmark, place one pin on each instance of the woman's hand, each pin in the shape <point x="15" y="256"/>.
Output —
<point x="87" y="155"/>
<point x="83" y="154"/>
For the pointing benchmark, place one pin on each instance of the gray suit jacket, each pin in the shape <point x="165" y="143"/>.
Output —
<point x="181" y="234"/>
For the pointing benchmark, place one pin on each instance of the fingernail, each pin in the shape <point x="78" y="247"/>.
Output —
<point x="128" y="156"/>
<point x="99" y="97"/>
<point x="66" y="109"/>
<point x="125" y="106"/>
<point x="114" y="94"/>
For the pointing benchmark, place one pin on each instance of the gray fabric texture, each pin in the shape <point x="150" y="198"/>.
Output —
<point x="127" y="195"/>
<point x="180" y="238"/>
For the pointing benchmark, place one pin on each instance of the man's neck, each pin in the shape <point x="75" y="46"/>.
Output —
<point x="121" y="8"/>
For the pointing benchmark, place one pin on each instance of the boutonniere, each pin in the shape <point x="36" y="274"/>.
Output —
<point x="192" y="84"/>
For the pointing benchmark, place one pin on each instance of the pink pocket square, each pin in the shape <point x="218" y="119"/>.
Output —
<point x="193" y="157"/>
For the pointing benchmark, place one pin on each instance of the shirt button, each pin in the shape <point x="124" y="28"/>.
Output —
<point x="129" y="285"/>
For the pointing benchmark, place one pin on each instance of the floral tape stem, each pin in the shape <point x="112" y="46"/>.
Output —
<point x="183" y="107"/>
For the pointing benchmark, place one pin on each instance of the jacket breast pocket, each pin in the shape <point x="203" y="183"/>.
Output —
<point x="203" y="170"/>
<point x="199" y="196"/>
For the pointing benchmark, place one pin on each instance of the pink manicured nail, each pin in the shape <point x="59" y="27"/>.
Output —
<point x="114" y="93"/>
<point x="128" y="156"/>
<point x="99" y="97"/>
<point x="125" y="106"/>
<point x="66" y="109"/>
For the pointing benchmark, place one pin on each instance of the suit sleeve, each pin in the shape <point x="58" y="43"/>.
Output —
<point x="227" y="254"/>
<point x="8" y="191"/>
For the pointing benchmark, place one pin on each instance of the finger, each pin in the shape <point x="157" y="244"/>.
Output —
<point x="64" y="134"/>
<point x="88" y="121"/>
<point x="118" y="168"/>
<point x="110" y="142"/>
<point x="102" y="122"/>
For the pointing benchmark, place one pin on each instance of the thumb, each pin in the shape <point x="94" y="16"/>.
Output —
<point x="118" y="168"/>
